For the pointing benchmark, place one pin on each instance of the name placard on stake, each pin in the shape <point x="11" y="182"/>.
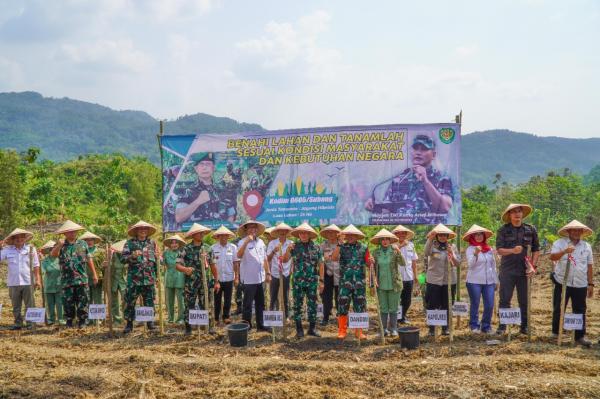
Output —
<point x="144" y="313"/>
<point x="400" y="314"/>
<point x="198" y="317"/>
<point x="573" y="321"/>
<point x="97" y="312"/>
<point x="0" y="310"/>
<point x="273" y="318"/>
<point x="320" y="310"/>
<point x="460" y="309"/>
<point x="35" y="315"/>
<point x="358" y="320"/>
<point x="437" y="317"/>
<point x="510" y="316"/>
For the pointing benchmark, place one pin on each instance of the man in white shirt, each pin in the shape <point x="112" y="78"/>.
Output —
<point x="409" y="271"/>
<point x="18" y="255"/>
<point x="580" y="282"/>
<point x="228" y="265"/>
<point x="275" y="252"/>
<point x="254" y="271"/>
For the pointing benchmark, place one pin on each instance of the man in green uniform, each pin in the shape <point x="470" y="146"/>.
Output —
<point x="139" y="254"/>
<point x="52" y="285"/>
<point x="308" y="275"/>
<point x="118" y="283"/>
<point x="99" y="257"/>
<point x="75" y="261"/>
<point x="174" y="279"/>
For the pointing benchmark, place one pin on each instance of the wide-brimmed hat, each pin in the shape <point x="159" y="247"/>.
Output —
<point x="477" y="229"/>
<point x="69" y="226"/>
<point x="195" y="229"/>
<point x="223" y="231"/>
<point x="242" y="229"/>
<point x="350" y="230"/>
<point x="441" y="229"/>
<point x="305" y="227"/>
<point x="174" y="237"/>
<point x="332" y="229"/>
<point x="409" y="233"/>
<point x="268" y="232"/>
<point x="131" y="232"/>
<point x="381" y="234"/>
<point x="9" y="238"/>
<point x="281" y="226"/>
<point x="573" y="225"/>
<point x="118" y="246"/>
<point x="48" y="245"/>
<point x="90" y="236"/>
<point x="526" y="211"/>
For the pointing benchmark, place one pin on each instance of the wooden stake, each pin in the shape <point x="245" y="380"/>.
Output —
<point x="450" y="323"/>
<point x="161" y="319"/>
<point x="207" y="306"/>
<point x="31" y="282"/>
<point x="281" y="292"/>
<point x="108" y="289"/>
<point x="563" y="300"/>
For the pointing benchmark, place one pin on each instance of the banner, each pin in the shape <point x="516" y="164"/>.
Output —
<point x="364" y="175"/>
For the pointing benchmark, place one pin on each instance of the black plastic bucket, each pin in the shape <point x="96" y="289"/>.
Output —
<point x="238" y="334"/>
<point x="409" y="337"/>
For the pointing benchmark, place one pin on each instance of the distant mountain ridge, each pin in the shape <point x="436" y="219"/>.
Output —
<point x="65" y="128"/>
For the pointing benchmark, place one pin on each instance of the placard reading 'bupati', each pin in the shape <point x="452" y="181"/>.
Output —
<point x="198" y="317"/>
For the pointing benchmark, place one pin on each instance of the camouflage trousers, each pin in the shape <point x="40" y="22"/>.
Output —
<point x="192" y="290"/>
<point x="352" y="290"/>
<point x="306" y="289"/>
<point x="75" y="298"/>
<point x="132" y="293"/>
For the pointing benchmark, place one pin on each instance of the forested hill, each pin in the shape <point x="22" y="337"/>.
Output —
<point x="65" y="128"/>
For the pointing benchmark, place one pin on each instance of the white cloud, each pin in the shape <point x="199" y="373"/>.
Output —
<point x="11" y="75"/>
<point x="466" y="50"/>
<point x="109" y="55"/>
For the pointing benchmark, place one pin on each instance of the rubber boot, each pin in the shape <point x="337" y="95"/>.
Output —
<point x="299" y="329"/>
<point x="359" y="334"/>
<point x="188" y="329"/>
<point x="393" y="324"/>
<point x="342" y="326"/>
<point x="150" y="325"/>
<point x="312" y="329"/>
<point x="384" y="322"/>
<point x="128" y="327"/>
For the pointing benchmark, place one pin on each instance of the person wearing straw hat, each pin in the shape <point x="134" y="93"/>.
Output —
<point x="75" y="262"/>
<point x="409" y="270"/>
<point x="309" y="269"/>
<point x="332" y="271"/>
<point x="440" y="252"/>
<point x="52" y="285"/>
<point x="267" y="235"/>
<point x="254" y="271"/>
<point x="194" y="259"/>
<point x="140" y="253"/>
<point x="99" y="256"/>
<point x="174" y="279"/>
<point x="276" y="249"/>
<point x="482" y="277"/>
<point x="228" y="266"/>
<point x="353" y="257"/>
<point x="15" y="250"/>
<point x="512" y="242"/>
<point x="580" y="280"/>
<point x="388" y="280"/>
<point x="118" y="281"/>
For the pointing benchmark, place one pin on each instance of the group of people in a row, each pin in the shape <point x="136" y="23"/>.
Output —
<point x="339" y="269"/>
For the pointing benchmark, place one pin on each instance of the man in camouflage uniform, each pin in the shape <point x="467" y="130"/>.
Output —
<point x="192" y="262"/>
<point x="308" y="275"/>
<point x="139" y="254"/>
<point x="420" y="189"/>
<point x="75" y="261"/>
<point x="118" y="283"/>
<point x="96" y="291"/>
<point x="353" y="257"/>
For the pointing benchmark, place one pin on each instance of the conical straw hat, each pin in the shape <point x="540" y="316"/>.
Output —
<point x="9" y="238"/>
<point x="174" y="237"/>
<point x="68" y="226"/>
<point x="48" y="245"/>
<point x="90" y="236"/>
<point x="268" y="232"/>
<point x="223" y="231"/>
<point x="330" y="230"/>
<point x="242" y="229"/>
<point x="281" y="226"/>
<point x="197" y="228"/>
<point x="305" y="227"/>
<point x="409" y="233"/>
<point x="575" y="224"/>
<point x="141" y="223"/>
<point x="118" y="246"/>
<point x="381" y="234"/>
<point x="477" y="229"/>
<point x="350" y="230"/>
<point x="441" y="229"/>
<point x="526" y="211"/>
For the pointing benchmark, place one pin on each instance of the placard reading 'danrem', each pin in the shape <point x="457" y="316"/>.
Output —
<point x="365" y="175"/>
<point x="437" y="317"/>
<point x="399" y="313"/>
<point x="97" y="312"/>
<point x="573" y="321"/>
<point x="460" y="309"/>
<point x="358" y="320"/>
<point x="510" y="316"/>
<point x="35" y="315"/>
<point x="198" y="317"/>
<point x="144" y="313"/>
<point x="273" y="318"/>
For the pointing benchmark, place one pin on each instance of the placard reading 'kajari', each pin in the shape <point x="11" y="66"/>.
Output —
<point x="364" y="175"/>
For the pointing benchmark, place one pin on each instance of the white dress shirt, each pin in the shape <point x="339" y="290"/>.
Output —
<point x="252" y="262"/>
<point x="482" y="269"/>
<point x="577" y="277"/>
<point x="224" y="257"/>
<point x="409" y="253"/>
<point x="19" y="272"/>
<point x="287" y="266"/>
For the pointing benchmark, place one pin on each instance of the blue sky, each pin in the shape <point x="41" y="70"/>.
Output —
<point x="525" y="65"/>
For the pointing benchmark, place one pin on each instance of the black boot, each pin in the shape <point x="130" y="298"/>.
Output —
<point x="299" y="329"/>
<point x="445" y="330"/>
<point x="81" y="323"/>
<point x="312" y="329"/>
<point x="69" y="323"/>
<point x="431" y="331"/>
<point x="150" y="325"/>
<point x="188" y="329"/>
<point x="128" y="327"/>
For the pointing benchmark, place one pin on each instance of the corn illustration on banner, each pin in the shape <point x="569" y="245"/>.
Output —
<point x="364" y="175"/>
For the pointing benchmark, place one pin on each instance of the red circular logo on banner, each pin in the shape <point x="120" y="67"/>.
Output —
<point x="253" y="203"/>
